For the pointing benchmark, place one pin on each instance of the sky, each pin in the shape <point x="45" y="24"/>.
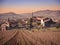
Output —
<point x="28" y="6"/>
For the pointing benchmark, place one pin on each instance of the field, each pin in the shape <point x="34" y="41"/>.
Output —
<point x="30" y="37"/>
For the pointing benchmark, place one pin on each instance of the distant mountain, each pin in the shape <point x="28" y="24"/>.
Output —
<point x="45" y="13"/>
<point x="55" y="15"/>
<point x="10" y="15"/>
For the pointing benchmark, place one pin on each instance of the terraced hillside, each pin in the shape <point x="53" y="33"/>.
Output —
<point x="27" y="37"/>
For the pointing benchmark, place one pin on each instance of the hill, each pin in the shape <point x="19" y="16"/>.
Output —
<point x="44" y="13"/>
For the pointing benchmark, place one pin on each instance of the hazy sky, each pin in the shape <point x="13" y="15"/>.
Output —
<point x="27" y="6"/>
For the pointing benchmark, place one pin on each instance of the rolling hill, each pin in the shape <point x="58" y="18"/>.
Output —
<point x="44" y="13"/>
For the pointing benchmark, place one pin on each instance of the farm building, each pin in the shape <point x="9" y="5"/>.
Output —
<point x="45" y="21"/>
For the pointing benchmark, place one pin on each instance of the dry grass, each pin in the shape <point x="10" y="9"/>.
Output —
<point x="35" y="37"/>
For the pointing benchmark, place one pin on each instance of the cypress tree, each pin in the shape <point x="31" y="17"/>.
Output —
<point x="31" y="21"/>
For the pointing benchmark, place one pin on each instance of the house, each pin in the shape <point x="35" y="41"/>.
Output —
<point x="3" y="25"/>
<point x="43" y="21"/>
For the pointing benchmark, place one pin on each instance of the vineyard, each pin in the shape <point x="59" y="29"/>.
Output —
<point x="29" y="37"/>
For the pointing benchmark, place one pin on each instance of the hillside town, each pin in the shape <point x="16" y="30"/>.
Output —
<point x="37" y="22"/>
<point x="29" y="31"/>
